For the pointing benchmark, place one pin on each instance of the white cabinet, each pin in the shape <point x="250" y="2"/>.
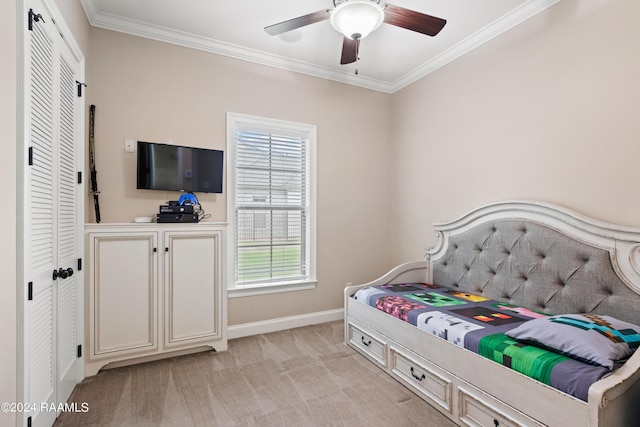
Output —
<point x="155" y="290"/>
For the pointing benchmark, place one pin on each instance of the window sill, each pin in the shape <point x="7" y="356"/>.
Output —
<point x="272" y="288"/>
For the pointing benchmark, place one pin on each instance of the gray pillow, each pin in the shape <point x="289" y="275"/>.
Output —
<point x="600" y="340"/>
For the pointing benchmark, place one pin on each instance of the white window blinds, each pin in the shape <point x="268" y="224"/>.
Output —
<point x="271" y="202"/>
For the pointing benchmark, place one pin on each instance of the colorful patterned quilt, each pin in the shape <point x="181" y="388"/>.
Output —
<point x="478" y="324"/>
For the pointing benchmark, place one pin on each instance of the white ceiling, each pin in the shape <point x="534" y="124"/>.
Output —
<point x="390" y="57"/>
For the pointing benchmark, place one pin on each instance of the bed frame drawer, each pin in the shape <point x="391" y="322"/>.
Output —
<point x="421" y="376"/>
<point x="374" y="348"/>
<point x="478" y="409"/>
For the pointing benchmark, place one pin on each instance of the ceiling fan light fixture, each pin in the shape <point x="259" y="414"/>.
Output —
<point x="357" y="18"/>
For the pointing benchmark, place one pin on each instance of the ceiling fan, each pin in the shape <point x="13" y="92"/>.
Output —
<point x="355" y="19"/>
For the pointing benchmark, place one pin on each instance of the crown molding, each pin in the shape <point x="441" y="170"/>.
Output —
<point x="100" y="19"/>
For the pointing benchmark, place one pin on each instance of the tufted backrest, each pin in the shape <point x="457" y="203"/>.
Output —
<point x="529" y="264"/>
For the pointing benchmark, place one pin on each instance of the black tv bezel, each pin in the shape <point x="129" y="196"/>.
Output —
<point x="196" y="190"/>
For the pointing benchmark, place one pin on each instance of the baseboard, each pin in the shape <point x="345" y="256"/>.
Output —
<point x="283" y="323"/>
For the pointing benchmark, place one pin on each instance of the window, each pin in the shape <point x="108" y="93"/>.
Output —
<point x="271" y="204"/>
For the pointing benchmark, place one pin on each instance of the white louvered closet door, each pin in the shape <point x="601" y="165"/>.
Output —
<point x="51" y="231"/>
<point x="68" y="236"/>
<point x="41" y="259"/>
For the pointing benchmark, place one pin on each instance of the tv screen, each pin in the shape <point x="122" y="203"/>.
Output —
<point x="177" y="168"/>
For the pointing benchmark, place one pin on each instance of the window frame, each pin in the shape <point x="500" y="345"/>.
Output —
<point x="236" y="121"/>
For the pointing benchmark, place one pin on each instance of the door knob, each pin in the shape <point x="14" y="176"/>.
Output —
<point x="62" y="273"/>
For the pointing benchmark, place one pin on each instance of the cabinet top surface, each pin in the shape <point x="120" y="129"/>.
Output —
<point x="154" y="225"/>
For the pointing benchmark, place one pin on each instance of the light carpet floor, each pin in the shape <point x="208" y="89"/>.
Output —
<point x="299" y="377"/>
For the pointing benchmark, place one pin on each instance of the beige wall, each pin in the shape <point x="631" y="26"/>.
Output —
<point x="8" y="314"/>
<point x="548" y="111"/>
<point x="152" y="91"/>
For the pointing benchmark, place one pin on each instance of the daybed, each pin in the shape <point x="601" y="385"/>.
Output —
<point x="535" y="260"/>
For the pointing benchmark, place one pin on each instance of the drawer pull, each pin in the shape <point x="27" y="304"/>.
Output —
<point x="496" y="423"/>
<point x="367" y="343"/>
<point x="418" y="377"/>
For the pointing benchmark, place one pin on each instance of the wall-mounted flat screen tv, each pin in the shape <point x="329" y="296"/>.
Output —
<point x="177" y="168"/>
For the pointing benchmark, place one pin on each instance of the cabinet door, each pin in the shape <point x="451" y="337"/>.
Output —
<point x="192" y="281"/>
<point x="123" y="293"/>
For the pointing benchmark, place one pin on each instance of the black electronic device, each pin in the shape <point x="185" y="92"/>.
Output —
<point x="177" y="168"/>
<point x="173" y="209"/>
<point x="176" y="217"/>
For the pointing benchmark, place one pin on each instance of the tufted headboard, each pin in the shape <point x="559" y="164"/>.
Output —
<point x="542" y="257"/>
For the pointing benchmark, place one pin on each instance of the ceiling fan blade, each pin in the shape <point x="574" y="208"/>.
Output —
<point x="349" y="51"/>
<point x="412" y="20"/>
<point x="298" y="22"/>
